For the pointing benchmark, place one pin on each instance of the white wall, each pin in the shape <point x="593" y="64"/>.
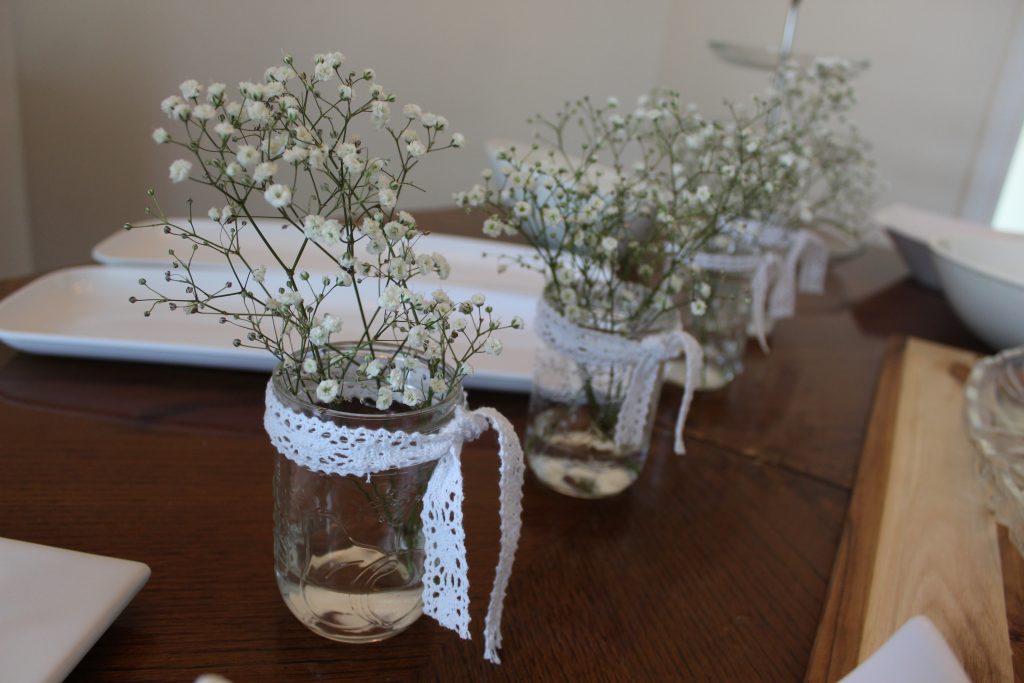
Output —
<point x="924" y="101"/>
<point x="91" y="76"/>
<point x="15" y="246"/>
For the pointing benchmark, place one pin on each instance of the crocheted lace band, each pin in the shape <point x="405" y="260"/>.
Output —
<point x="590" y="346"/>
<point x="329" y="448"/>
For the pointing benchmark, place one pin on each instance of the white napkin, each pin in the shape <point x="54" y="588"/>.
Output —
<point x="55" y="604"/>
<point x="917" y="653"/>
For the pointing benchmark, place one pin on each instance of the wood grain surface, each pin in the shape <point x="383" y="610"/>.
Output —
<point x="919" y="538"/>
<point x="714" y="566"/>
<point x="837" y="646"/>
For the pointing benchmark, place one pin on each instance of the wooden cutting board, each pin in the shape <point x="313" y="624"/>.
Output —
<point x="918" y="538"/>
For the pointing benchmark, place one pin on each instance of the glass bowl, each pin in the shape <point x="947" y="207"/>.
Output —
<point x="995" y="422"/>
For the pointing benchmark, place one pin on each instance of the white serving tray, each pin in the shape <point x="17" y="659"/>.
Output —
<point x="84" y="312"/>
<point x="55" y="604"/>
<point x="470" y="268"/>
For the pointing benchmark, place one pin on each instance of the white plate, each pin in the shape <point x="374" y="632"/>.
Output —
<point x="84" y="312"/>
<point x="55" y="604"/>
<point x="470" y="268"/>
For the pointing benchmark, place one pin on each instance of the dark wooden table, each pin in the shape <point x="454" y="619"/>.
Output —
<point x="714" y="566"/>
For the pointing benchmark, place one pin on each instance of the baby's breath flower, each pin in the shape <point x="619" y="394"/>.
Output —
<point x="179" y="170"/>
<point x="264" y="172"/>
<point x="330" y="323"/>
<point x="203" y="112"/>
<point x="290" y="297"/>
<point x="224" y="129"/>
<point x="247" y="155"/>
<point x="258" y="112"/>
<point x="493" y="346"/>
<point x="316" y="157"/>
<point x="318" y="335"/>
<point x="215" y="92"/>
<point x="391" y="298"/>
<point x="278" y="196"/>
<point x="330" y="232"/>
<point x="327" y="390"/>
<point x="190" y="89"/>
<point x="438" y="385"/>
<point x="374" y="368"/>
<point x="160" y="136"/>
<point x="521" y="209"/>
<point x="353" y="163"/>
<point x="412" y="396"/>
<point x="381" y="112"/>
<point x="169" y="104"/>
<point x="386" y="197"/>
<point x="458" y="140"/>
<point x="295" y="155"/>
<point x="384" y="398"/>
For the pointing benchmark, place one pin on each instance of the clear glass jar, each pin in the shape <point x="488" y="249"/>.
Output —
<point x="722" y="330"/>
<point x="572" y="421"/>
<point x="348" y="551"/>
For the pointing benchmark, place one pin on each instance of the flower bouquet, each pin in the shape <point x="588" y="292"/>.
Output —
<point x="368" y="414"/>
<point x="836" y="179"/>
<point x="615" y="259"/>
<point x="730" y="163"/>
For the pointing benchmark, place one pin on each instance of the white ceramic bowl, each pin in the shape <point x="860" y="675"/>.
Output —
<point x="983" y="279"/>
<point x="912" y="229"/>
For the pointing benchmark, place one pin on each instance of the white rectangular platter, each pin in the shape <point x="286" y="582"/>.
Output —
<point x="474" y="262"/>
<point x="84" y="312"/>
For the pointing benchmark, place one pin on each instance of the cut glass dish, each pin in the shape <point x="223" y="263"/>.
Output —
<point x="995" y="422"/>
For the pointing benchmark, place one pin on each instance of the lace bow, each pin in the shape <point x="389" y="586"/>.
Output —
<point x="804" y="250"/>
<point x="592" y="347"/>
<point x="336" y="450"/>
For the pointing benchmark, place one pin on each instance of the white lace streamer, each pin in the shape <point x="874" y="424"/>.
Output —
<point x="600" y="348"/>
<point x="329" y="448"/>
<point x="804" y="250"/>
<point x="762" y="268"/>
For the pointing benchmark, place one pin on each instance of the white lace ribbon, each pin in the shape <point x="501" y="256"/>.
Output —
<point x="600" y="348"/>
<point x="332" y="449"/>
<point x="762" y="268"/>
<point x="804" y="250"/>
